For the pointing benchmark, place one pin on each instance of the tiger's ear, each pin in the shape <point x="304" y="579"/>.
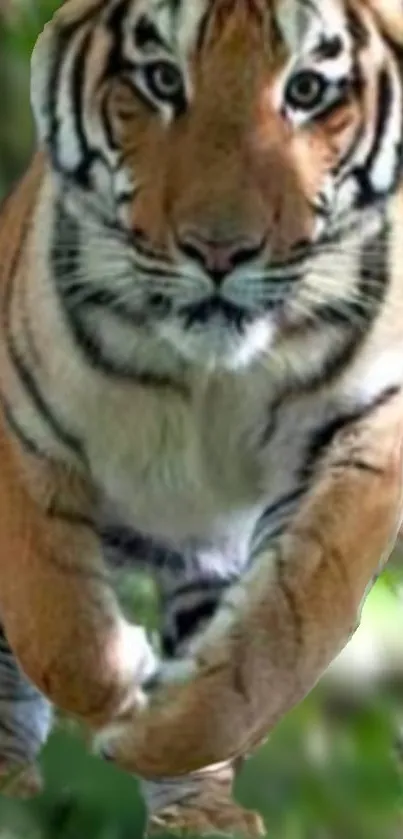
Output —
<point x="389" y="15"/>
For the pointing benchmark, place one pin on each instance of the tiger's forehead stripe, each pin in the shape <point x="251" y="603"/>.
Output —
<point x="176" y="21"/>
<point x="298" y="16"/>
<point x="253" y="14"/>
<point x="186" y="24"/>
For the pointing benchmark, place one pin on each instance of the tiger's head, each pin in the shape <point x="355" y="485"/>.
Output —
<point x="231" y="151"/>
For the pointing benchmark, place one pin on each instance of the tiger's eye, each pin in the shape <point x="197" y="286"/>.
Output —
<point x="305" y="90"/>
<point x="164" y="79"/>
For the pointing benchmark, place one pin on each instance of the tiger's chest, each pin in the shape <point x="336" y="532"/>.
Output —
<point x="181" y="471"/>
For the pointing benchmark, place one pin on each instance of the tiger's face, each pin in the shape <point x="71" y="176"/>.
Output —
<point x="240" y="149"/>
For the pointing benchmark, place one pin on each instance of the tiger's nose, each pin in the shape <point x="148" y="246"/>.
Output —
<point x="218" y="257"/>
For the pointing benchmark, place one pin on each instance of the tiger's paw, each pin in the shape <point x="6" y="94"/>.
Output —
<point x="113" y="742"/>
<point x="204" y="818"/>
<point x="20" y="780"/>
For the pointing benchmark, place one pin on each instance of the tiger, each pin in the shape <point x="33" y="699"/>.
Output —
<point x="201" y="368"/>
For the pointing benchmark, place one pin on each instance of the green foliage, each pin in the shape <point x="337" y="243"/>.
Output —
<point x="17" y="38"/>
<point x="23" y="25"/>
<point x="27" y="21"/>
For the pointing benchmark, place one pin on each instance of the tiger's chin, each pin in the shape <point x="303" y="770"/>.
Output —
<point x="215" y="345"/>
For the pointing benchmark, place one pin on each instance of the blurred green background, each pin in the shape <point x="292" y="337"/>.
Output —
<point x="333" y="768"/>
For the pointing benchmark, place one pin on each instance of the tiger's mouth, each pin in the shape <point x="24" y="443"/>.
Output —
<point x="215" y="308"/>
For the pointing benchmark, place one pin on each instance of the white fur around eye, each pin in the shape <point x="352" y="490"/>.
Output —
<point x="300" y="23"/>
<point x="293" y="21"/>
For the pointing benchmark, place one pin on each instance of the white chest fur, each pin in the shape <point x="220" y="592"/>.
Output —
<point x="189" y="467"/>
<point x="176" y="464"/>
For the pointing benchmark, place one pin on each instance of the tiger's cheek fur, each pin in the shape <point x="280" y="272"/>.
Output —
<point x="143" y="141"/>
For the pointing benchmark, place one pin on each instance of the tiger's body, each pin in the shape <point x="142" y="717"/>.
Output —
<point x="201" y="362"/>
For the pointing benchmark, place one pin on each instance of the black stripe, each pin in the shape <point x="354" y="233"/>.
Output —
<point x="8" y="728"/>
<point x="62" y="40"/>
<point x="203" y="28"/>
<point x="124" y="197"/>
<point x="349" y="154"/>
<point x="146" y="34"/>
<point x="168" y="643"/>
<point x="70" y="516"/>
<point x="372" y="287"/>
<point x="24" y="439"/>
<point x="126" y="73"/>
<point x="279" y="514"/>
<point x="33" y="390"/>
<point x="334" y="363"/>
<point x="22" y="370"/>
<point x="90" y="154"/>
<point x="359" y="464"/>
<point x="139" y="549"/>
<point x="322" y="437"/>
<point x="357" y="29"/>
<point x="274" y="533"/>
<point x="5" y="649"/>
<point x="93" y="297"/>
<point x="363" y="174"/>
<point x="280" y="504"/>
<point x="274" y="411"/>
<point x="82" y="173"/>
<point x="114" y="24"/>
<point x="110" y="137"/>
<point x="384" y="98"/>
<point x="203" y="585"/>
<point x="188" y="621"/>
<point x="66" y="240"/>
<point x="329" y="47"/>
<point x="357" y="86"/>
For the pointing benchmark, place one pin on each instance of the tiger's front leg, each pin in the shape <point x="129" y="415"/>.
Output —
<point x="200" y="803"/>
<point x="283" y="624"/>
<point x="59" y="613"/>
